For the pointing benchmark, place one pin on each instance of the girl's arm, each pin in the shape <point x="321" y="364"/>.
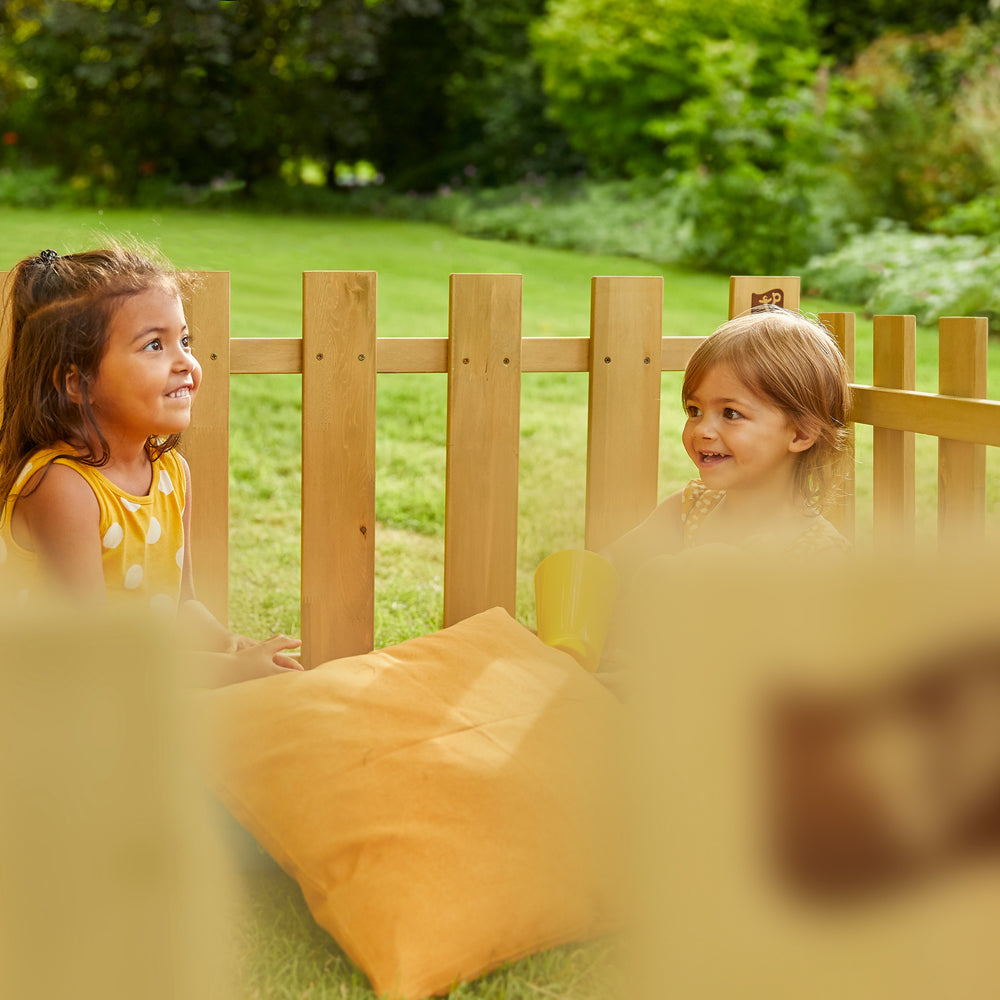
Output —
<point x="201" y="629"/>
<point x="60" y="519"/>
<point x="260" y="659"/>
<point x="223" y="656"/>
<point x="660" y="534"/>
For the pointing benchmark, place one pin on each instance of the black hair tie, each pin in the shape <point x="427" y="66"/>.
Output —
<point x="47" y="256"/>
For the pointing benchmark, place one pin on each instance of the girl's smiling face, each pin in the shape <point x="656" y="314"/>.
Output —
<point x="148" y="376"/>
<point x="737" y="439"/>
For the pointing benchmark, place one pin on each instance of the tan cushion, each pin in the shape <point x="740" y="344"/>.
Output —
<point x="444" y="804"/>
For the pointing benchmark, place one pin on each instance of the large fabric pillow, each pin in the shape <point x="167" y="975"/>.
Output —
<point x="445" y="804"/>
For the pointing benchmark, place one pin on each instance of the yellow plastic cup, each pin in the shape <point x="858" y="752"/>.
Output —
<point x="575" y="591"/>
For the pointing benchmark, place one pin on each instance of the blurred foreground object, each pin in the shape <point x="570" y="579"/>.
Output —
<point x="820" y="779"/>
<point x="110" y="883"/>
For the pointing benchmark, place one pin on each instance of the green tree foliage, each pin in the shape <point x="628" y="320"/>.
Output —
<point x="764" y="190"/>
<point x="929" y="136"/>
<point x="459" y="99"/>
<point x="846" y="28"/>
<point x="192" y="89"/>
<point x="729" y="103"/>
<point x="620" y="72"/>
<point x="495" y="97"/>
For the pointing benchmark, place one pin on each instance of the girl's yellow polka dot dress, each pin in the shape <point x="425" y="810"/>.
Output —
<point x="142" y="537"/>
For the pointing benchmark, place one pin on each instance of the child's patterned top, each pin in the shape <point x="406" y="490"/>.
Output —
<point x="699" y="501"/>
<point x="142" y="537"/>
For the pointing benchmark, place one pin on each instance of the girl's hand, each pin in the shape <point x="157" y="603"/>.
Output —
<point x="256" y="659"/>
<point x="235" y="642"/>
<point x="264" y="659"/>
<point x="203" y="631"/>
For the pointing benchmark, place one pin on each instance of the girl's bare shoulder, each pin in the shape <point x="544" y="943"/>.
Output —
<point x="55" y="501"/>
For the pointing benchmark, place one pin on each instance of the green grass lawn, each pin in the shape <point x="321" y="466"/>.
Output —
<point x="285" y="955"/>
<point x="266" y="255"/>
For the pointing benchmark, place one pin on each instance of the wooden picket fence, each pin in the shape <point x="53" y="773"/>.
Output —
<point x="339" y="356"/>
<point x="484" y="356"/>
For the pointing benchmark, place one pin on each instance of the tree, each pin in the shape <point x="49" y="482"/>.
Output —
<point x="459" y="97"/>
<point x="846" y="28"/>
<point x="928" y="137"/>
<point x="618" y="73"/>
<point x="191" y="90"/>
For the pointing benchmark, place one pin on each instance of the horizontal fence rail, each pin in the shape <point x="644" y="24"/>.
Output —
<point x="339" y="356"/>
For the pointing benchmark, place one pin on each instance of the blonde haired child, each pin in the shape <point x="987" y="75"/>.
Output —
<point x="97" y="388"/>
<point x="767" y="398"/>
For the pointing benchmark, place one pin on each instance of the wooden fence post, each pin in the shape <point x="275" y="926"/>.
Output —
<point x="623" y="435"/>
<point x="962" y="365"/>
<point x="894" y="367"/>
<point x="205" y="443"/>
<point x="842" y="326"/>
<point x="484" y="412"/>
<point x="338" y="464"/>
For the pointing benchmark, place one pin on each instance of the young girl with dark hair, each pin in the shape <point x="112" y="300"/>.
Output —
<point x="98" y="386"/>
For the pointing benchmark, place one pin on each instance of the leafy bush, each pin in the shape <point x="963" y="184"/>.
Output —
<point x="635" y="219"/>
<point x="979" y="217"/>
<point x="742" y="221"/>
<point x="895" y="271"/>
<point x="619" y="74"/>
<point x="33" y="188"/>
<point x="745" y="221"/>
<point x="928" y="138"/>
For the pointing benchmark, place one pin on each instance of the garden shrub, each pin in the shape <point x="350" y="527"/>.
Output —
<point x="895" y="271"/>
<point x="928" y="138"/>
<point x="618" y="74"/>
<point x="745" y="221"/>
<point x="33" y="187"/>
<point x="979" y="217"/>
<point x="635" y="219"/>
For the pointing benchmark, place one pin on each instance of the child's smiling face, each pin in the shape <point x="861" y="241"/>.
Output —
<point x="737" y="439"/>
<point x="148" y="376"/>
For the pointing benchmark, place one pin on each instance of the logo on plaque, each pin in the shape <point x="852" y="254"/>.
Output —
<point x="773" y="298"/>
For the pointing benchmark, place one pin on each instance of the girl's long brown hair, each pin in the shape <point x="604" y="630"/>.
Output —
<point x="60" y="309"/>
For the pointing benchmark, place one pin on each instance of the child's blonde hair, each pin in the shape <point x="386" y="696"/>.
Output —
<point x="794" y="364"/>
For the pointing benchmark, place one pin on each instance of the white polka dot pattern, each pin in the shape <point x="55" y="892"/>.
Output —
<point x="141" y="537"/>
<point x="113" y="536"/>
